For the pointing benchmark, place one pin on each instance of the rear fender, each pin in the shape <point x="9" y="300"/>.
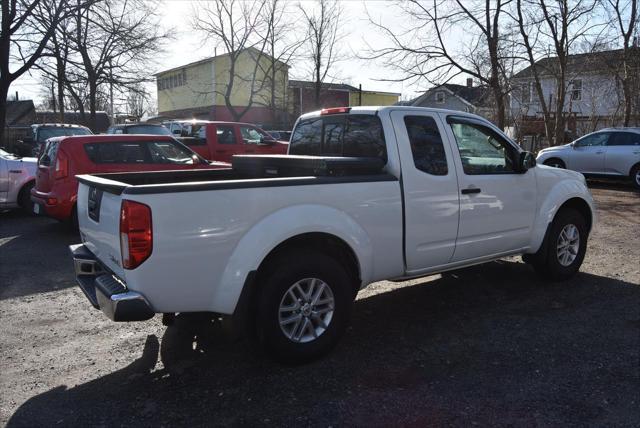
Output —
<point x="276" y="228"/>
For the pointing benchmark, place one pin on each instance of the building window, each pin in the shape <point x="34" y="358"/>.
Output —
<point x="526" y="93"/>
<point x="576" y="90"/>
<point x="440" y="97"/>
<point x="173" y="81"/>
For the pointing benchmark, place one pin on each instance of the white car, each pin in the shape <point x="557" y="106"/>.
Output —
<point x="609" y="153"/>
<point x="284" y="243"/>
<point x="17" y="177"/>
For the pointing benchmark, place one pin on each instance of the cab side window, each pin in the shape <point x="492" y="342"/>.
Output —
<point x="482" y="150"/>
<point x="225" y="134"/>
<point x="250" y="135"/>
<point x="426" y="145"/>
<point x="599" y="139"/>
<point x="624" y="139"/>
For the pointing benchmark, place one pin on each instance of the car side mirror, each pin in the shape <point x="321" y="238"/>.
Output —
<point x="269" y="141"/>
<point x="526" y="161"/>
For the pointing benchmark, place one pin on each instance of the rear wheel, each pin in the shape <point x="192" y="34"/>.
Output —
<point x="303" y="306"/>
<point x="25" y="198"/>
<point x="555" y="162"/>
<point x="635" y="176"/>
<point x="564" y="248"/>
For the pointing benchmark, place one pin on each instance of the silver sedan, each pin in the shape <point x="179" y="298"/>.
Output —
<point x="17" y="177"/>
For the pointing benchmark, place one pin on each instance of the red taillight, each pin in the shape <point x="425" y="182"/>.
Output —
<point x="335" y="110"/>
<point x="62" y="165"/>
<point x="136" y="234"/>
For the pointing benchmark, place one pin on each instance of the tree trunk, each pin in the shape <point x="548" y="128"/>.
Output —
<point x="4" y="92"/>
<point x="93" y="89"/>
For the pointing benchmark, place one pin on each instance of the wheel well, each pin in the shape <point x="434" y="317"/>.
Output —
<point x="324" y="242"/>
<point x="582" y="207"/>
<point x="23" y="189"/>
<point x="554" y="159"/>
<point x="637" y="165"/>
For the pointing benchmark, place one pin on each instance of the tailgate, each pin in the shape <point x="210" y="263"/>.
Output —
<point x="99" y="222"/>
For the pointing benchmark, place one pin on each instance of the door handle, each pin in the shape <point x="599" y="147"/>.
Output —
<point x="470" y="190"/>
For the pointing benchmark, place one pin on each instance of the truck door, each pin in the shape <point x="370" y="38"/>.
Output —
<point x="223" y="142"/>
<point x="497" y="203"/>
<point x="430" y="190"/>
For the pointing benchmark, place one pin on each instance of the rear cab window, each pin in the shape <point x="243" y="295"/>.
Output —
<point x="353" y="135"/>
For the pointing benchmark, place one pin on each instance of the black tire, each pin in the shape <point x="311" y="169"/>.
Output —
<point x="635" y="176"/>
<point x="72" y="222"/>
<point x="284" y="271"/>
<point x="556" y="163"/>
<point x="546" y="261"/>
<point x="25" y="198"/>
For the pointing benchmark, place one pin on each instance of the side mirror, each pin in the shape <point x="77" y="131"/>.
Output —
<point x="269" y="141"/>
<point x="526" y="161"/>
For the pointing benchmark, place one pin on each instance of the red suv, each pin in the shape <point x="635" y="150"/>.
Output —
<point x="221" y="140"/>
<point x="56" y="187"/>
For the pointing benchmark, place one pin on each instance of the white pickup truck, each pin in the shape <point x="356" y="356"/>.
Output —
<point x="286" y="246"/>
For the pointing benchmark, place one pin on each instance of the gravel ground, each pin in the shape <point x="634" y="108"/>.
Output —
<point x="490" y="345"/>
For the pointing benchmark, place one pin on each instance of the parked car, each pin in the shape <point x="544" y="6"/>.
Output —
<point x="221" y="140"/>
<point x="43" y="131"/>
<point x="63" y="158"/>
<point x="609" y="153"/>
<point x="139" y="128"/>
<point x="17" y="177"/>
<point x="284" y="243"/>
<point x="280" y="135"/>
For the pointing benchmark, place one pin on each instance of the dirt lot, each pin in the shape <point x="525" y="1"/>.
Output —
<point x="491" y="345"/>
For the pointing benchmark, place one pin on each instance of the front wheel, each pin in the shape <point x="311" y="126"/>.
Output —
<point x="635" y="176"/>
<point x="564" y="248"/>
<point x="304" y="304"/>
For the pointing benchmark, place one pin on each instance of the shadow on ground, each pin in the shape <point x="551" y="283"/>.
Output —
<point x="490" y="345"/>
<point x="34" y="257"/>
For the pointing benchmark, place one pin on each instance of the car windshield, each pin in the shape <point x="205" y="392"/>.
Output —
<point x="59" y="131"/>
<point x="148" y="129"/>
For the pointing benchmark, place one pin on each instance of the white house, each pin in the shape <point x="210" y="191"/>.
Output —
<point x="594" y="93"/>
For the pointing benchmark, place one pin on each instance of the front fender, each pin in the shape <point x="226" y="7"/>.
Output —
<point x="276" y="228"/>
<point x="556" y="193"/>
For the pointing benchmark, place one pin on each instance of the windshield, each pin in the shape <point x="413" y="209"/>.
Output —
<point x="46" y="133"/>
<point x="148" y="129"/>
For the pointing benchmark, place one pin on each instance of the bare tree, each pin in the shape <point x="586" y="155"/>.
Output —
<point x="113" y="43"/>
<point x="551" y="28"/>
<point x="138" y="102"/>
<point x="24" y="35"/>
<point x="624" y="18"/>
<point x="281" y="45"/>
<point x="322" y="24"/>
<point x="424" y="51"/>
<point x="239" y="27"/>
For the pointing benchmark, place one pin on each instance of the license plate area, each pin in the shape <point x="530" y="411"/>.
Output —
<point x="93" y="203"/>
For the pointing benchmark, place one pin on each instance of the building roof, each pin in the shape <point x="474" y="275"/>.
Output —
<point x="202" y="61"/>
<point x="20" y="113"/>
<point x="591" y="61"/>
<point x="327" y="86"/>
<point x="476" y="96"/>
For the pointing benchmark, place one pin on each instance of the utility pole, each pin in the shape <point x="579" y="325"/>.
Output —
<point x="113" y="116"/>
<point x="360" y="94"/>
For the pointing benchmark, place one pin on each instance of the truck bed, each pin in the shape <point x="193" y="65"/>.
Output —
<point x="246" y="171"/>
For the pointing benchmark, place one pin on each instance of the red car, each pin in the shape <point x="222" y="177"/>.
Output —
<point x="221" y="140"/>
<point x="63" y="158"/>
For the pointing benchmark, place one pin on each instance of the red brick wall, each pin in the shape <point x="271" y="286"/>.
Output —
<point x="328" y="98"/>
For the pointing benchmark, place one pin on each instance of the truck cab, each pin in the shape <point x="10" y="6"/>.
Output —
<point x="221" y="140"/>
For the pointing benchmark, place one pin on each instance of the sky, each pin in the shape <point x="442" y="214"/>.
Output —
<point x="188" y="46"/>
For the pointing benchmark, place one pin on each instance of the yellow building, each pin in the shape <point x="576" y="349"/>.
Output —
<point x="372" y="98"/>
<point x="198" y="89"/>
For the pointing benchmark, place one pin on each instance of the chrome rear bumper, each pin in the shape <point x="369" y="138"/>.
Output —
<point x="105" y="291"/>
